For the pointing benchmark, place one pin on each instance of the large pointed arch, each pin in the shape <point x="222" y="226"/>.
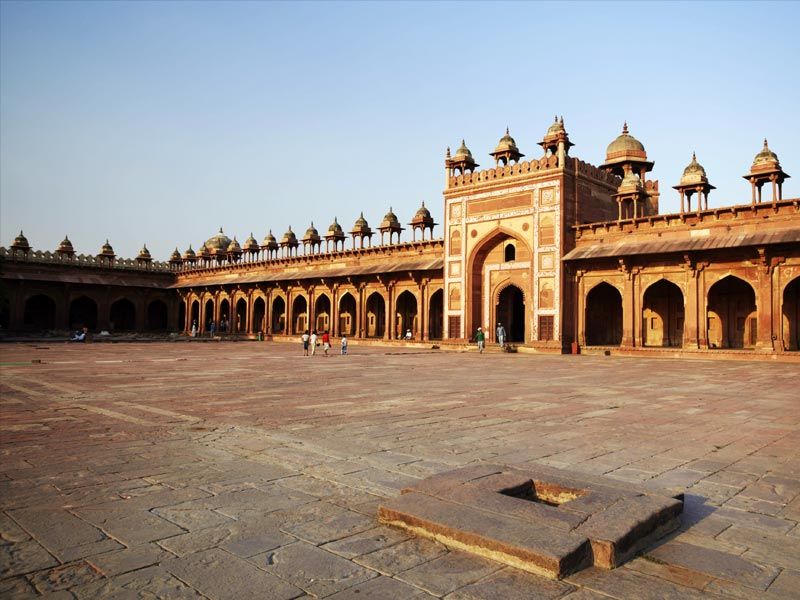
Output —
<point x="663" y="314"/>
<point x="732" y="318"/>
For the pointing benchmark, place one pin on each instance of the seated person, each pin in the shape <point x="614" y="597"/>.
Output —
<point x="80" y="336"/>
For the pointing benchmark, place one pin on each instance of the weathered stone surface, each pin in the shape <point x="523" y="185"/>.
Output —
<point x="401" y="557"/>
<point x="366" y="542"/>
<point x="316" y="571"/>
<point x="217" y="574"/>
<point x="511" y="584"/>
<point x="152" y="582"/>
<point x="381" y="588"/>
<point x="63" y="534"/>
<point x="130" y="559"/>
<point x="625" y="583"/>
<point x="24" y="557"/>
<point x="449" y="572"/>
<point x="63" y="577"/>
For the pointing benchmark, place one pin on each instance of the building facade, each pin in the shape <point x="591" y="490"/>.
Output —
<point x="563" y="253"/>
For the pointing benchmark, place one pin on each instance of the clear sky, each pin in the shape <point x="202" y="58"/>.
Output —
<point x="160" y="122"/>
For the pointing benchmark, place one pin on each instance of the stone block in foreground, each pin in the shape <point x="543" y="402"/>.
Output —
<point x="544" y="520"/>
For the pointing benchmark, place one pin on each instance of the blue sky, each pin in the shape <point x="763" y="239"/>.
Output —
<point x="160" y="122"/>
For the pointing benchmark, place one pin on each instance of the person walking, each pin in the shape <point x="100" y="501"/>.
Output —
<point x="313" y="342"/>
<point x="501" y="336"/>
<point x="344" y="345"/>
<point x="326" y="343"/>
<point x="480" y="337"/>
<point x="305" y="342"/>
<point x="212" y="329"/>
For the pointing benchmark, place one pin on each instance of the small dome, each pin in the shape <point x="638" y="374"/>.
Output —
<point x="312" y="232"/>
<point x="361" y="225"/>
<point x="203" y="252"/>
<point x="630" y="183"/>
<point x="250" y="244"/>
<point x="422" y="213"/>
<point x="289" y="237"/>
<point x="390" y="220"/>
<point x="218" y="243"/>
<point x="107" y="250"/>
<point x="234" y="247"/>
<point x="335" y="229"/>
<point x="65" y="247"/>
<point x="694" y="173"/>
<point x="625" y="144"/>
<point x="463" y="151"/>
<point x="556" y="127"/>
<point x="269" y="239"/>
<point x="189" y="253"/>
<point x="144" y="253"/>
<point x="506" y="144"/>
<point x="766" y="157"/>
<point x="21" y="242"/>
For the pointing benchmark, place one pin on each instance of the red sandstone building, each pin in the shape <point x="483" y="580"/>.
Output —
<point x="565" y="254"/>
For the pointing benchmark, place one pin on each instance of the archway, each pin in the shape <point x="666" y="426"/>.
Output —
<point x="122" y="316"/>
<point x="406" y="315"/>
<point x="510" y="311"/>
<point x="791" y="315"/>
<point x="195" y="315"/>
<point x="300" y="314"/>
<point x="83" y="313"/>
<point x="40" y="313"/>
<point x="239" y="324"/>
<point x="604" y="316"/>
<point x="732" y="321"/>
<point x="259" y="312"/>
<point x="278" y="315"/>
<point x="208" y="315"/>
<point x="224" y="316"/>
<point x="376" y="315"/>
<point x="510" y="252"/>
<point x="663" y="315"/>
<point x="322" y="313"/>
<point x="436" y="315"/>
<point x="347" y="314"/>
<point x="157" y="319"/>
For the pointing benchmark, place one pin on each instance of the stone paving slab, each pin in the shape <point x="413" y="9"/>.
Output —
<point x="172" y="433"/>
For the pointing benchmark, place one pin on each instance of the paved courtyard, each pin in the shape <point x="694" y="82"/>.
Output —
<point x="243" y="470"/>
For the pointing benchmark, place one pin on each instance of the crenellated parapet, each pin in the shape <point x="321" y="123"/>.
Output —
<point x="593" y="172"/>
<point x="501" y="172"/>
<point x="85" y="260"/>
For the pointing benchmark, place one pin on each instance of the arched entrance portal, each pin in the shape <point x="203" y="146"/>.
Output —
<point x="376" y="316"/>
<point x="604" y="316"/>
<point x="347" y="315"/>
<point x="791" y="315"/>
<point x="322" y="314"/>
<point x="300" y="315"/>
<point x="224" y="316"/>
<point x="40" y="313"/>
<point x="195" y="316"/>
<point x="732" y="321"/>
<point x="123" y="315"/>
<point x="259" y="312"/>
<point x="406" y="315"/>
<point x="157" y="319"/>
<point x="510" y="311"/>
<point x="436" y="315"/>
<point x="662" y="315"/>
<point x="83" y="313"/>
<point x="278" y="315"/>
<point x="239" y="324"/>
<point x="208" y="313"/>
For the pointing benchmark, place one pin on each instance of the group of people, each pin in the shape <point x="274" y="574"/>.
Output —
<point x="480" y="337"/>
<point x="211" y="328"/>
<point x="312" y="341"/>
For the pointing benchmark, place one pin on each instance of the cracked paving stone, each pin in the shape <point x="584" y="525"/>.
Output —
<point x="381" y="588"/>
<point x="366" y="542"/>
<point x="449" y="572"/>
<point x="24" y="557"/>
<point x="512" y="584"/>
<point x="152" y="582"/>
<point x="64" y="577"/>
<point x="403" y="556"/>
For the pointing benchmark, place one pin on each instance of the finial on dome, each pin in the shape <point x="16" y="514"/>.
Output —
<point x="220" y="229"/>
<point x="447" y="154"/>
<point x="507" y="130"/>
<point x="765" y="143"/>
<point x="694" y="157"/>
<point x="555" y="118"/>
<point x="562" y="119"/>
<point x="423" y="204"/>
<point x="625" y="128"/>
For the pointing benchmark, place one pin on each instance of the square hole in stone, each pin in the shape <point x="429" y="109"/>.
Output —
<point x="543" y="492"/>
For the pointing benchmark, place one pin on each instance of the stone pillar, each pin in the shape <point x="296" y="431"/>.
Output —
<point x="691" y="316"/>
<point x="764" y="302"/>
<point x="289" y="320"/>
<point x="628" y="310"/>
<point x="267" y="325"/>
<point x="422" y="310"/>
<point x="702" y="308"/>
<point x="334" y="328"/>
<point x="361" y="326"/>
<point x="388" y="330"/>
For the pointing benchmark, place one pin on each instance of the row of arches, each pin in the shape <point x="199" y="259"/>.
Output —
<point x="731" y="316"/>
<point x="344" y="320"/>
<point x="40" y="313"/>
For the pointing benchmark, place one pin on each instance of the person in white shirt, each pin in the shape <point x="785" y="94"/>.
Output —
<point x="313" y="342"/>
<point x="305" y="343"/>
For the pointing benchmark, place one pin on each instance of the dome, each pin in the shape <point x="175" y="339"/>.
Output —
<point x="766" y="157"/>
<point x="189" y="254"/>
<point x="311" y="233"/>
<point x="694" y="173"/>
<point x="335" y="229"/>
<point x="218" y="243"/>
<point x="144" y="253"/>
<point x="65" y="247"/>
<point x="506" y="144"/>
<point x="361" y="225"/>
<point x="21" y="242"/>
<point x="203" y="252"/>
<point x="250" y="244"/>
<point x="463" y="151"/>
<point x="234" y="247"/>
<point x="289" y="237"/>
<point x="176" y="255"/>
<point x="269" y="240"/>
<point x="630" y="183"/>
<point x="556" y="127"/>
<point x="422" y="213"/>
<point x="106" y="250"/>
<point x="625" y="145"/>
<point x="390" y="220"/>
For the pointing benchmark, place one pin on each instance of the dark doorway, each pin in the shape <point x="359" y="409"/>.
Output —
<point x="791" y="315"/>
<point x="123" y="315"/>
<point x="406" y="317"/>
<point x="195" y="316"/>
<point x="300" y="315"/>
<point x="662" y="315"/>
<point x="322" y="314"/>
<point x="157" y="319"/>
<point x="510" y="312"/>
<point x="732" y="321"/>
<point x="239" y="324"/>
<point x="278" y="315"/>
<point x="347" y="315"/>
<point x="40" y="313"/>
<point x="259" y="312"/>
<point x="436" y="315"/>
<point x="376" y="316"/>
<point x="83" y="313"/>
<point x="604" y="316"/>
<point x="209" y="315"/>
<point x="224" y="325"/>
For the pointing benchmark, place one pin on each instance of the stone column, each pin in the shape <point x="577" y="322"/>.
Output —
<point x="289" y="320"/>
<point x="422" y="310"/>
<point x="267" y="326"/>
<point x="334" y="328"/>
<point x="628" y="310"/>
<point x="388" y="330"/>
<point x="764" y="302"/>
